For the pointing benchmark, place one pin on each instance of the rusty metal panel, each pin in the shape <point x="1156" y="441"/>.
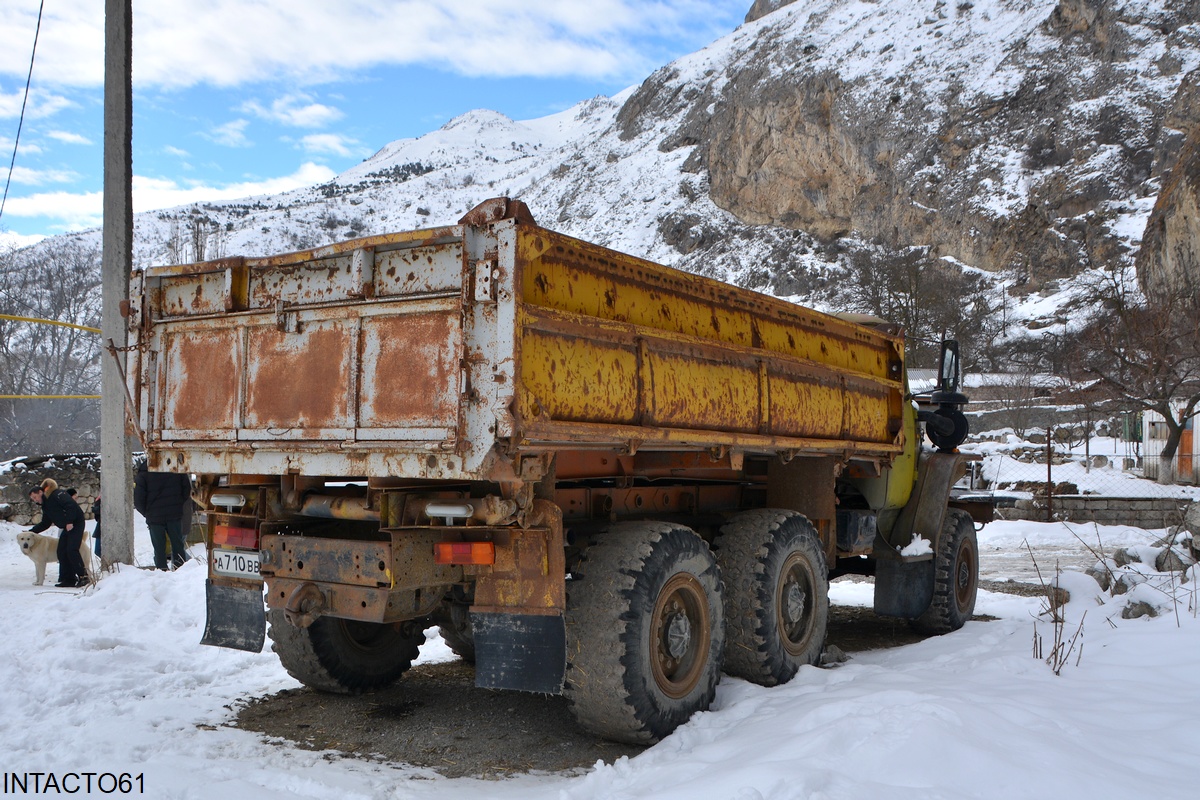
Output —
<point x="192" y="290"/>
<point x="344" y="601"/>
<point x="300" y="384"/>
<point x="425" y="269"/>
<point x="690" y="361"/>
<point x="190" y="295"/>
<point x="413" y="564"/>
<point x="405" y="561"/>
<point x="614" y="374"/>
<point x="308" y="558"/>
<point x="312" y="282"/>
<point x="200" y="383"/>
<point x="570" y="377"/>
<point x="568" y="275"/>
<point x="565" y="274"/>
<point x="687" y="391"/>
<point x="806" y="406"/>
<point x="528" y="573"/>
<point x="871" y="416"/>
<point x="411" y="371"/>
<point x="374" y="581"/>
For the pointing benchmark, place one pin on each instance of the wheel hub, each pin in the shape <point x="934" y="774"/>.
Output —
<point x="678" y="634"/>
<point x="795" y="601"/>
<point x="964" y="574"/>
<point x="794" y="613"/>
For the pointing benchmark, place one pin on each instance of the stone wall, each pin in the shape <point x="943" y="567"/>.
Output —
<point x="1152" y="512"/>
<point x="79" y="472"/>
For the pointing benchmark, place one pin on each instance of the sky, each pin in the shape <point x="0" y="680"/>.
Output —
<point x="240" y="97"/>
<point x="113" y="681"/>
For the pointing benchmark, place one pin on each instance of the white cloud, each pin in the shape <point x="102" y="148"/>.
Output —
<point x="175" y="151"/>
<point x="40" y="104"/>
<point x="28" y="148"/>
<point x="296" y="110"/>
<point x="231" y="134"/>
<point x="66" y="137"/>
<point x="179" y="43"/>
<point x="38" y="177"/>
<point x="333" y="144"/>
<point x="71" y="211"/>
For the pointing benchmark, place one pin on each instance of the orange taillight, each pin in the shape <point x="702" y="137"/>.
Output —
<point x="464" y="553"/>
<point x="235" y="537"/>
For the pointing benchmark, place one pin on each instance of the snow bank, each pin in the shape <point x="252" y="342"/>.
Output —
<point x="114" y="680"/>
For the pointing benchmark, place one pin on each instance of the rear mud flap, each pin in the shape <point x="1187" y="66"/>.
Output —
<point x="525" y="652"/>
<point x="903" y="589"/>
<point x="237" y="617"/>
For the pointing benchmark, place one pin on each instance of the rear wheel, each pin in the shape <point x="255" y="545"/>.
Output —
<point x="645" y="631"/>
<point x="776" y="594"/>
<point x="457" y="633"/>
<point x="344" y="656"/>
<point x="956" y="576"/>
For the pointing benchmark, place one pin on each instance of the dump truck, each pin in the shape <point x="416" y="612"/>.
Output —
<point x="598" y="476"/>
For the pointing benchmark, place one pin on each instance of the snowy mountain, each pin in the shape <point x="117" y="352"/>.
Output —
<point x="1024" y="138"/>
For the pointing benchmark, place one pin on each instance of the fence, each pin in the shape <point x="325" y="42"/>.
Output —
<point x="1063" y="474"/>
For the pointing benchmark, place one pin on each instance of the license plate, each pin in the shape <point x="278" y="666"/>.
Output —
<point x="236" y="563"/>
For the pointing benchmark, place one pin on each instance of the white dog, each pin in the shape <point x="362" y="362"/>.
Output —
<point x="44" y="550"/>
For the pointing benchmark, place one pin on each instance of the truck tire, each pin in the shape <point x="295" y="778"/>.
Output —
<point x="956" y="576"/>
<point x="776" y="594"/>
<point x="457" y="633"/>
<point x="645" y="631"/>
<point x="344" y="656"/>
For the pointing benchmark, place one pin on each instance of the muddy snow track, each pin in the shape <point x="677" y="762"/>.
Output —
<point x="435" y="717"/>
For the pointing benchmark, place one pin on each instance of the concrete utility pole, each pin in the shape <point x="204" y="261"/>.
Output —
<point x="116" y="452"/>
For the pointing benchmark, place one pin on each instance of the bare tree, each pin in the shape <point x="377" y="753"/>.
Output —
<point x="58" y="281"/>
<point x="931" y="298"/>
<point x="1143" y="354"/>
<point x="1019" y="394"/>
<point x="195" y="237"/>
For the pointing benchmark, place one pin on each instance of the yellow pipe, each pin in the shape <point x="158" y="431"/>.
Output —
<point x="49" y="397"/>
<point x="11" y="318"/>
<point x="49" y="322"/>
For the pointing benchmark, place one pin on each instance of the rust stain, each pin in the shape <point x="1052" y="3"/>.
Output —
<point x="202" y="380"/>
<point x="410" y="370"/>
<point x="298" y="380"/>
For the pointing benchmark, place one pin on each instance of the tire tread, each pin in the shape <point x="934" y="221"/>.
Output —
<point x="602" y="609"/>
<point x="313" y="658"/>
<point x="744" y="549"/>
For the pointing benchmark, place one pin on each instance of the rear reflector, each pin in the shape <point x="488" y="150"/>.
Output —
<point x="235" y="537"/>
<point x="464" y="553"/>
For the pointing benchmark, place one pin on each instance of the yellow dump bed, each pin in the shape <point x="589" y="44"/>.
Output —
<point x="455" y="352"/>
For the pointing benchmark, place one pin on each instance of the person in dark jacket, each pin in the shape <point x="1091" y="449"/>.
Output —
<point x="96" y="516"/>
<point x="59" y="508"/>
<point x="159" y="497"/>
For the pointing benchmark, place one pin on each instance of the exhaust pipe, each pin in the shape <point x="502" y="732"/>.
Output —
<point x="329" y="506"/>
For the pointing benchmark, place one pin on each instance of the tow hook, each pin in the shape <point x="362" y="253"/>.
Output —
<point x="305" y="605"/>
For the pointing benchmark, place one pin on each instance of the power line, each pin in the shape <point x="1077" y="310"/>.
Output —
<point x="24" y="100"/>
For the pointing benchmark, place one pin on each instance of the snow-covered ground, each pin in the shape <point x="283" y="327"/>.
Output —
<point x="113" y="680"/>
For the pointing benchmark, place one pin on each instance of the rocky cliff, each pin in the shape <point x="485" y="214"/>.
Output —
<point x="1169" y="260"/>
<point x="1016" y="136"/>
